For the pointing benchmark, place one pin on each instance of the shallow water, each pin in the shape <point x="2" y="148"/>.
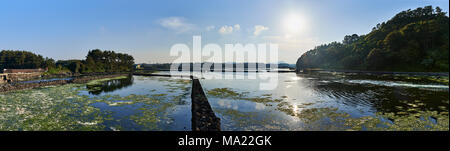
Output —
<point x="358" y="98"/>
<point x="298" y="102"/>
<point x="131" y="103"/>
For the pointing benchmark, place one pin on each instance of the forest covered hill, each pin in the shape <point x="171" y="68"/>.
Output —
<point x="413" y="40"/>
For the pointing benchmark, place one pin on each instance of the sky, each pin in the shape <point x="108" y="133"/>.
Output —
<point x="147" y="29"/>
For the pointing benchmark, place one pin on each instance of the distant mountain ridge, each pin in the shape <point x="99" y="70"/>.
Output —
<point x="413" y="40"/>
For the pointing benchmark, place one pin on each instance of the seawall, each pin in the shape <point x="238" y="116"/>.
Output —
<point x="20" y="86"/>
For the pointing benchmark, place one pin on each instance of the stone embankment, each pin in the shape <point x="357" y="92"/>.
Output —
<point x="362" y="72"/>
<point x="203" y="117"/>
<point x="81" y="79"/>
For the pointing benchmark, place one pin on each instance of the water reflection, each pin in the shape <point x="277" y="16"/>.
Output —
<point x="110" y="85"/>
<point x="377" y="96"/>
<point x="381" y="98"/>
<point x="357" y="96"/>
<point x="143" y="103"/>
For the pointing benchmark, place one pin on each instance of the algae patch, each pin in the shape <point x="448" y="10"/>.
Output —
<point x="407" y="117"/>
<point x="100" y="81"/>
<point x="49" y="108"/>
<point x="69" y="108"/>
<point x="227" y="93"/>
<point x="333" y="119"/>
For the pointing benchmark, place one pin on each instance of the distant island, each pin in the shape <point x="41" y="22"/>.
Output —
<point x="412" y="41"/>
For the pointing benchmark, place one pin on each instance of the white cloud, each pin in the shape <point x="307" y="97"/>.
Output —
<point x="259" y="29"/>
<point x="229" y="29"/>
<point x="237" y="27"/>
<point x="225" y="29"/>
<point x="177" y="24"/>
<point x="209" y="28"/>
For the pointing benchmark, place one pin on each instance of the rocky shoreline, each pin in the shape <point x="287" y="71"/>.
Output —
<point x="364" y="72"/>
<point x="79" y="79"/>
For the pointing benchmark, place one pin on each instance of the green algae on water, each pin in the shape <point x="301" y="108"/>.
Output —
<point x="65" y="108"/>
<point x="227" y="93"/>
<point x="49" y="108"/>
<point x="333" y="119"/>
<point x="100" y="81"/>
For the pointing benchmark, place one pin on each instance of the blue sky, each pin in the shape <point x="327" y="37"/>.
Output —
<point x="67" y="29"/>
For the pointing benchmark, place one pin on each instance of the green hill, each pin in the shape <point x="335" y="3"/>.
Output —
<point x="413" y="40"/>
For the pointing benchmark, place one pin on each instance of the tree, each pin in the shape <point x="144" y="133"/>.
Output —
<point x="10" y="59"/>
<point x="413" y="40"/>
<point x="108" y="61"/>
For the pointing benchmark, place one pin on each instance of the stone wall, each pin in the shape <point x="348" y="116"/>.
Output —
<point x="21" y="86"/>
<point x="84" y="79"/>
<point x="23" y="76"/>
<point x="203" y="117"/>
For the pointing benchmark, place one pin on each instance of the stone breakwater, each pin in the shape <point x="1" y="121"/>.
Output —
<point x="82" y="79"/>
<point x="203" y="117"/>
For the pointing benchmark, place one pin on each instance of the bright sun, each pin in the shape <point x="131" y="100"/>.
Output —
<point x="293" y="23"/>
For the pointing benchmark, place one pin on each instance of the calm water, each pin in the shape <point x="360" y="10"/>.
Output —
<point x="357" y="97"/>
<point x="129" y="103"/>
<point x="159" y="103"/>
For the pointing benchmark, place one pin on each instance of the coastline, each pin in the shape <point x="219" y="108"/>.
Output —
<point x="375" y="72"/>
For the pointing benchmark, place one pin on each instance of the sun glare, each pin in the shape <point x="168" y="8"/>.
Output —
<point x="293" y="23"/>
